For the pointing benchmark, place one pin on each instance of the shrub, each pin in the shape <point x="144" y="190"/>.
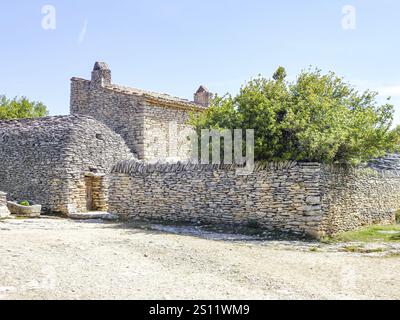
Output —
<point x="24" y="203"/>
<point x="18" y="108"/>
<point x="319" y="117"/>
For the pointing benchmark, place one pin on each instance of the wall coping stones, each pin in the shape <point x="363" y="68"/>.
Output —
<point x="131" y="167"/>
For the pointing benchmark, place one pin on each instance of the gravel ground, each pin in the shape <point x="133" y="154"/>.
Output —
<point x="65" y="259"/>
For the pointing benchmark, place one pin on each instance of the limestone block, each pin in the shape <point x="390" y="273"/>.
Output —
<point x="4" y="212"/>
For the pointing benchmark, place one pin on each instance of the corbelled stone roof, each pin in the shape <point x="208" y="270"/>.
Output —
<point x="65" y="122"/>
<point x="58" y="129"/>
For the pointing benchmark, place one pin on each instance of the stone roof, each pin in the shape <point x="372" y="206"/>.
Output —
<point x="57" y="128"/>
<point x="54" y="121"/>
<point x="389" y="162"/>
<point x="152" y="97"/>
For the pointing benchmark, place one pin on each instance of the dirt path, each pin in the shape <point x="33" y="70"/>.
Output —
<point x="64" y="259"/>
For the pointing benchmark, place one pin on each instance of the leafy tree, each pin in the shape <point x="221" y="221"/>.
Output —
<point x="280" y="74"/>
<point x="318" y="117"/>
<point x="21" y="108"/>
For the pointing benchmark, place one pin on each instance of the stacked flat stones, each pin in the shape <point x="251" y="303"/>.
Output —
<point x="390" y="162"/>
<point x="142" y="118"/>
<point x="4" y="212"/>
<point x="300" y="198"/>
<point x="45" y="160"/>
<point x="279" y="196"/>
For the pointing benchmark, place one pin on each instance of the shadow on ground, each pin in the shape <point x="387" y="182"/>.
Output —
<point x="210" y="232"/>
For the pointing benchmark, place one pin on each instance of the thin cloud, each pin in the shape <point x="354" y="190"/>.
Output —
<point x="83" y="32"/>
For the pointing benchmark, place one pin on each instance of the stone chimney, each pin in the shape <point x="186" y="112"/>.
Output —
<point x="101" y="75"/>
<point x="203" y="96"/>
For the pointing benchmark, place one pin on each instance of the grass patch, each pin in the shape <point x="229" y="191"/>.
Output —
<point x="361" y="249"/>
<point x="393" y="255"/>
<point x="370" y="234"/>
<point x="14" y="217"/>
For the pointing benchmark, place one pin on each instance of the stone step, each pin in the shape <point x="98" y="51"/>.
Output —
<point x="93" y="215"/>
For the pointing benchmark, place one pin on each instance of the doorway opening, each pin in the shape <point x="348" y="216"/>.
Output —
<point x="96" y="193"/>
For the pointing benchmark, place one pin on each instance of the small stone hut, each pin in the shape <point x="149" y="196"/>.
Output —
<point x="59" y="162"/>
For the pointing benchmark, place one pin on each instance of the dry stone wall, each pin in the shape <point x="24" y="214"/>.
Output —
<point x="300" y="198"/>
<point x="282" y="197"/>
<point x="357" y="197"/>
<point x="4" y="212"/>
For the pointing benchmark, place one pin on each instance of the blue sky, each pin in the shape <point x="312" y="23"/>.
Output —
<point x="174" y="46"/>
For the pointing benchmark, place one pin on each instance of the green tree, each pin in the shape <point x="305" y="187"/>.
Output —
<point x="318" y="117"/>
<point x="280" y="74"/>
<point x="17" y="108"/>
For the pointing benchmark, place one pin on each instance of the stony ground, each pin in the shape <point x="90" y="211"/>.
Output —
<point x="65" y="259"/>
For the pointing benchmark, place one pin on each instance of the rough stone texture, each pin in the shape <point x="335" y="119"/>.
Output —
<point x="275" y="196"/>
<point x="93" y="216"/>
<point x="352" y="198"/>
<point x="46" y="160"/>
<point x="391" y="163"/>
<point x="301" y="198"/>
<point x="203" y="96"/>
<point x="141" y="117"/>
<point x="4" y="212"/>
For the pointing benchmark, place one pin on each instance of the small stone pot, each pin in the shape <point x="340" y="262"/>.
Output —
<point x="24" y="211"/>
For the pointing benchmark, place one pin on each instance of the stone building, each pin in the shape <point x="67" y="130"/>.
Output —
<point x="59" y="162"/>
<point x="96" y="159"/>
<point x="153" y="125"/>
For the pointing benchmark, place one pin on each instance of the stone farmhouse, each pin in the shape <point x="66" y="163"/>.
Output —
<point x="109" y="155"/>
<point x="142" y="118"/>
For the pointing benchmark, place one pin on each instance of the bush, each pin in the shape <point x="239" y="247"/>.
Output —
<point x="18" y="108"/>
<point x="25" y="203"/>
<point x="318" y="117"/>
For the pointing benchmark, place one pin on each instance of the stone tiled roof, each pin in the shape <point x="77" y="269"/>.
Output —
<point x="389" y="162"/>
<point x="152" y="97"/>
<point x="53" y="121"/>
